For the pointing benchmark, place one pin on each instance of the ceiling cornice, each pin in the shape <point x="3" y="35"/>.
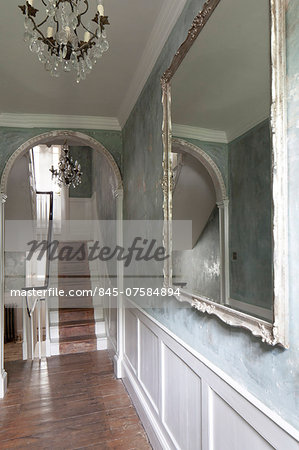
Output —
<point x="167" y="18"/>
<point x="201" y="134"/>
<point x="59" y="121"/>
<point x="207" y="135"/>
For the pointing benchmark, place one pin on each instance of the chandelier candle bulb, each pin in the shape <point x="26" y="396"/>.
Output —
<point x="86" y="36"/>
<point x="50" y="32"/>
<point x="101" y="10"/>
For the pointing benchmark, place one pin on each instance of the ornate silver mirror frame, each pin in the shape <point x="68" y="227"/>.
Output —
<point x="275" y="333"/>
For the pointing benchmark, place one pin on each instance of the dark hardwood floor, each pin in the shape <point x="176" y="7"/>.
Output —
<point x="68" y="402"/>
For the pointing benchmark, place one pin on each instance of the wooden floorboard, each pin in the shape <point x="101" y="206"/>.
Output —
<point x="68" y="402"/>
<point x="13" y="351"/>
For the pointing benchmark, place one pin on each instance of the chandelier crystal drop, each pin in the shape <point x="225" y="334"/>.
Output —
<point x="66" y="35"/>
<point x="69" y="172"/>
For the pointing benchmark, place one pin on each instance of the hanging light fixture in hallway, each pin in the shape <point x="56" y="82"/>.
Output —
<point x="69" y="172"/>
<point x="67" y="37"/>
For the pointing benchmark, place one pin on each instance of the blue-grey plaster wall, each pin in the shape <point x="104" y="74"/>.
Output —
<point x="103" y="185"/>
<point x="250" y="218"/>
<point x="12" y="138"/>
<point x="217" y="151"/>
<point x="200" y="266"/>
<point x="84" y="157"/>
<point x="14" y="263"/>
<point x="271" y="374"/>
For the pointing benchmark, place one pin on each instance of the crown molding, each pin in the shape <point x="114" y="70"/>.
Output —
<point x="59" y="121"/>
<point x="242" y="128"/>
<point x="201" y="134"/>
<point x="167" y="18"/>
<point x="208" y="135"/>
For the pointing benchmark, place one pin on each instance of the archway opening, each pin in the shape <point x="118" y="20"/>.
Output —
<point x="199" y="197"/>
<point x="38" y="323"/>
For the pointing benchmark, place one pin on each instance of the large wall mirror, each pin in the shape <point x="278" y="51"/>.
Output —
<point x="225" y="166"/>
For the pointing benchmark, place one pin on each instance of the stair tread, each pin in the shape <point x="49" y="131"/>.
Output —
<point x="68" y="309"/>
<point x="76" y="309"/>
<point x="74" y="339"/>
<point x="88" y="337"/>
<point x="75" y="323"/>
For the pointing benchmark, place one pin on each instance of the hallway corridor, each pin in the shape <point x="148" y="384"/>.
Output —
<point x="68" y="402"/>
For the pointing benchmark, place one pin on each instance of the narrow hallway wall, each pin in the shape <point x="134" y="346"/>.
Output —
<point x="266" y="372"/>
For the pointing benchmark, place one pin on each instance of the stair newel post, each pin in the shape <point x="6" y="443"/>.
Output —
<point x="3" y="374"/>
<point x="25" y="331"/>
<point x="39" y="318"/>
<point x="47" y="318"/>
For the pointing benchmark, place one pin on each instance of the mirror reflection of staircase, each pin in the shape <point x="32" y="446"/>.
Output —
<point x="76" y="322"/>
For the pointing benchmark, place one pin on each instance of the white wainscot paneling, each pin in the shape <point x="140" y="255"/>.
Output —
<point x="228" y="430"/>
<point x="187" y="403"/>
<point x="131" y="348"/>
<point x="181" y="402"/>
<point x="149" y="363"/>
<point x="112" y="320"/>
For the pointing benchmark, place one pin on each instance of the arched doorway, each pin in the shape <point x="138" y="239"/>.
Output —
<point x="182" y="147"/>
<point x="58" y="138"/>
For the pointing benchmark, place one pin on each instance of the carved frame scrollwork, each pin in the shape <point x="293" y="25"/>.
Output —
<point x="275" y="333"/>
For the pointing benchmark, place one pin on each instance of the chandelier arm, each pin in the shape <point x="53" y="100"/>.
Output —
<point x="44" y="39"/>
<point x="83" y="13"/>
<point x="44" y="21"/>
<point x="44" y="3"/>
<point x="94" y="35"/>
<point x="57" y="24"/>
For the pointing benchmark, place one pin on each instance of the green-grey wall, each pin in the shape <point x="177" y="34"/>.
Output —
<point x="14" y="263"/>
<point x="200" y="267"/>
<point x="217" y="151"/>
<point x="103" y="186"/>
<point x="250" y="229"/>
<point x="271" y="374"/>
<point x="84" y="157"/>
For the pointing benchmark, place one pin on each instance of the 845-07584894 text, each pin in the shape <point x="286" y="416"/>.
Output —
<point x="137" y="292"/>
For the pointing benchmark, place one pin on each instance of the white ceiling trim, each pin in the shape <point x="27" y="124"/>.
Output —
<point x="167" y="18"/>
<point x="201" y="134"/>
<point x="243" y="128"/>
<point x="208" y="135"/>
<point x="59" y="121"/>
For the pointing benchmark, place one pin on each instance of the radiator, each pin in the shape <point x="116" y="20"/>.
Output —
<point x="9" y="324"/>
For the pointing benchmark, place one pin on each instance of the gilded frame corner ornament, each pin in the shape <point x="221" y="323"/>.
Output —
<point x="275" y="333"/>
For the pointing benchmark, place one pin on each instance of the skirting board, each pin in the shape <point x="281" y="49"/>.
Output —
<point x="3" y="383"/>
<point x="185" y="402"/>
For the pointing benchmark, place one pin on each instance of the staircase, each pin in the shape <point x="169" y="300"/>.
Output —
<point x="76" y="322"/>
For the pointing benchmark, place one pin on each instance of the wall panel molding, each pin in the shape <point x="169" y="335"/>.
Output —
<point x="199" y="406"/>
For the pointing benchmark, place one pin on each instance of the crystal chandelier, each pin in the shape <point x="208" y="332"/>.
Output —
<point x="69" y="172"/>
<point x="68" y="36"/>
